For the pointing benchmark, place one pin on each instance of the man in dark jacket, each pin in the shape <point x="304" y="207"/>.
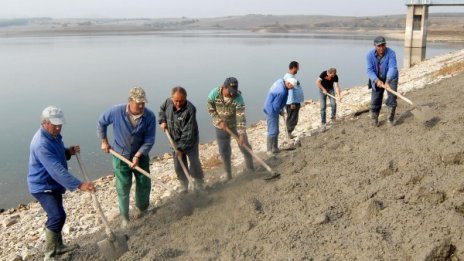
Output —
<point x="177" y="116"/>
<point x="48" y="177"/>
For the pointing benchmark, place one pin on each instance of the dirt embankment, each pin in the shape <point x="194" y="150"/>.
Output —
<point x="353" y="192"/>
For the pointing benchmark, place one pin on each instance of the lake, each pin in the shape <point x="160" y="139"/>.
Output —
<point x="85" y="75"/>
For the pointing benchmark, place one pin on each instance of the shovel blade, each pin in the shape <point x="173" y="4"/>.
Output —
<point x="423" y="114"/>
<point x="275" y="175"/>
<point x="113" y="250"/>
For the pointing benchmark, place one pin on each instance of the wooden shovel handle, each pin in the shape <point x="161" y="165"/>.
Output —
<point x="173" y="146"/>
<point x="399" y="95"/>
<point x="251" y="152"/>
<point x="108" y="230"/>
<point x="139" y="169"/>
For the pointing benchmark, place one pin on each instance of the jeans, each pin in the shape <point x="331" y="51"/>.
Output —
<point x="377" y="97"/>
<point x="272" y="125"/>
<point x="52" y="203"/>
<point x="123" y="174"/>
<point x="223" y="140"/>
<point x="194" y="169"/>
<point x="333" y="105"/>
<point x="292" y="117"/>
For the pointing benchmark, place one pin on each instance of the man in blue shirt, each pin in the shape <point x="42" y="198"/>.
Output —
<point x="48" y="177"/>
<point x="383" y="73"/>
<point x="294" y="100"/>
<point x="134" y="136"/>
<point x="275" y="102"/>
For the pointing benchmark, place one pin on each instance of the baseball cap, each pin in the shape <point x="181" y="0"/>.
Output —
<point x="232" y="85"/>
<point x="54" y="115"/>
<point x="137" y="94"/>
<point x="292" y="81"/>
<point x="379" y="40"/>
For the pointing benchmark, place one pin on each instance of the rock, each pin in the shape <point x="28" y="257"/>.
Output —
<point x="321" y="219"/>
<point x="434" y="251"/>
<point x="14" y="257"/>
<point x="28" y="254"/>
<point x="369" y="209"/>
<point x="11" y="220"/>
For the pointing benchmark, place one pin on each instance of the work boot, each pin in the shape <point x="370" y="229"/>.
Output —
<point x="275" y="145"/>
<point x="124" y="220"/>
<point x="198" y="185"/>
<point x="142" y="213"/>
<point x="62" y="248"/>
<point x="183" y="187"/>
<point x="269" y="146"/>
<point x="391" y="115"/>
<point x="375" y="119"/>
<point x="51" y="245"/>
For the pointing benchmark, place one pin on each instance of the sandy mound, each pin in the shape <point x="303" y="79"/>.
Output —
<point x="353" y="192"/>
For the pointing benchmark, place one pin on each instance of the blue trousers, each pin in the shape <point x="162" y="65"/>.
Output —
<point x="52" y="203"/>
<point x="333" y="105"/>
<point x="272" y="125"/>
<point x="195" y="169"/>
<point x="377" y="97"/>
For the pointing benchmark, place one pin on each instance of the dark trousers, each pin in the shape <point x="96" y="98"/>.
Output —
<point x="52" y="203"/>
<point x="194" y="168"/>
<point x="377" y="97"/>
<point x="223" y="140"/>
<point x="292" y="117"/>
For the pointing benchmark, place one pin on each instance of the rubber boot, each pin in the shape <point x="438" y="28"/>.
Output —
<point x="51" y="245"/>
<point x="198" y="185"/>
<point x="269" y="146"/>
<point x="124" y="220"/>
<point x="375" y="119"/>
<point x="62" y="248"/>
<point x="391" y="115"/>
<point x="275" y="145"/>
<point x="228" y="169"/>
<point x="183" y="186"/>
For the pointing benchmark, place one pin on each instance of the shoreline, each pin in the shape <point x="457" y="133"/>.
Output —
<point x="23" y="225"/>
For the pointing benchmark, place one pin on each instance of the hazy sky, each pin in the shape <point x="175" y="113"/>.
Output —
<point x="199" y="8"/>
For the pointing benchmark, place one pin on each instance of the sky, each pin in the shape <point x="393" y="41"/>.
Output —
<point x="200" y="8"/>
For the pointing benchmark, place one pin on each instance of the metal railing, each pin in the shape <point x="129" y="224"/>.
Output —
<point x="435" y="2"/>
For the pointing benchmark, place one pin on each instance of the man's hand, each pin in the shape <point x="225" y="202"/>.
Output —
<point x="105" y="146"/>
<point x="179" y="154"/>
<point x="135" y="161"/>
<point x="74" y="149"/>
<point x="241" y="140"/>
<point x="387" y="86"/>
<point x="87" y="186"/>
<point x="324" y="91"/>
<point x="222" y="125"/>
<point x="379" y="83"/>
<point x="164" y="126"/>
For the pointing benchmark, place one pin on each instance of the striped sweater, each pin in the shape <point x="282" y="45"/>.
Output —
<point x="231" y="111"/>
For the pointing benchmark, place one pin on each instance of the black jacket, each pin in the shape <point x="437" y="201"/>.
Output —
<point x="182" y="124"/>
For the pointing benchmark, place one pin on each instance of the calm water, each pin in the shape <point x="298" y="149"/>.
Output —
<point x="85" y="75"/>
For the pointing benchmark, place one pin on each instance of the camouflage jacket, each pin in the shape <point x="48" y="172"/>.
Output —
<point x="232" y="111"/>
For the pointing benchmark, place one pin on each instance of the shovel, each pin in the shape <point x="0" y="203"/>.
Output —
<point x="139" y="169"/>
<point x="184" y="168"/>
<point x="115" y="245"/>
<point x="274" y="174"/>
<point x="424" y="114"/>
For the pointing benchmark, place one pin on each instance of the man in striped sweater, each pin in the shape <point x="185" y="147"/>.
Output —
<point x="227" y="110"/>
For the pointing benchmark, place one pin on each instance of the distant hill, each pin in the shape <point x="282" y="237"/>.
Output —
<point x="445" y="24"/>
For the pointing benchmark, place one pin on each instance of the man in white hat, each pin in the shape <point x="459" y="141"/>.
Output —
<point x="275" y="102"/>
<point x="48" y="178"/>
